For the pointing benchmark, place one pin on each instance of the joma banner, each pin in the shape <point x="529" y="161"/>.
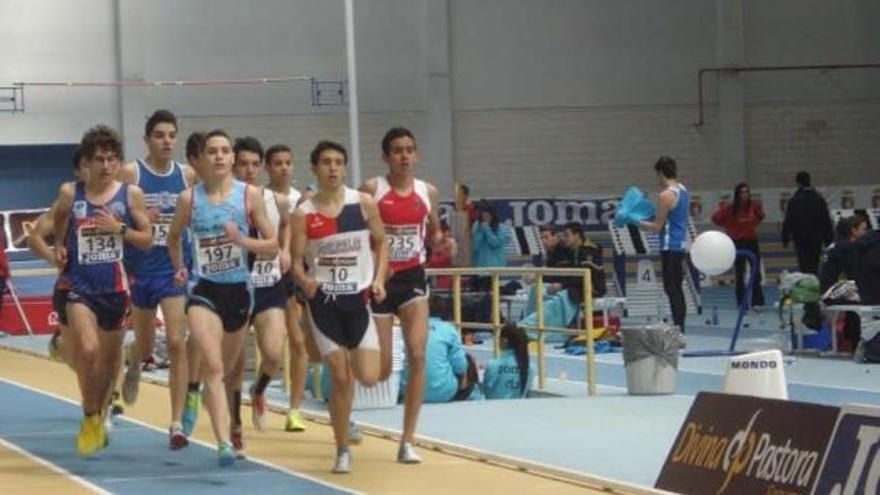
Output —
<point x="594" y="214"/>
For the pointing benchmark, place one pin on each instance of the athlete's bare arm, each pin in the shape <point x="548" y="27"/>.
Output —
<point x="297" y="253"/>
<point x="128" y="173"/>
<point x="377" y="233"/>
<point x="664" y="205"/>
<point x="178" y="224"/>
<point x="189" y="175"/>
<point x="43" y="227"/>
<point x="267" y="244"/>
<point x="36" y="238"/>
<point x="433" y="233"/>
<point x="140" y="235"/>
<point x="283" y="204"/>
<point x="369" y="187"/>
<point x="63" y="206"/>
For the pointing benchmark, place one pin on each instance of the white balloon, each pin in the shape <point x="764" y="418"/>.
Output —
<point x="713" y="252"/>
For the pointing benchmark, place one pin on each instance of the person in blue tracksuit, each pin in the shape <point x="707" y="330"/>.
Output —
<point x="511" y="375"/>
<point x="445" y="363"/>
<point x="489" y="237"/>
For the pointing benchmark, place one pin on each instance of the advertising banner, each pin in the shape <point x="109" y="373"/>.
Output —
<point x="852" y="464"/>
<point x="736" y="444"/>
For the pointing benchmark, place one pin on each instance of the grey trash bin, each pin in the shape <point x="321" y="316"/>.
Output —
<point x="650" y="355"/>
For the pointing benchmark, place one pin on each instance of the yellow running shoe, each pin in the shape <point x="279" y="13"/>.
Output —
<point x="294" y="422"/>
<point x="102" y="437"/>
<point x="91" y="436"/>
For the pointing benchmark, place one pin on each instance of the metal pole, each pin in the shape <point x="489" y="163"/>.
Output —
<point x="747" y="296"/>
<point x="456" y="301"/>
<point x="588" y="326"/>
<point x="539" y="312"/>
<point x="496" y="312"/>
<point x="285" y="364"/>
<point x="355" y="151"/>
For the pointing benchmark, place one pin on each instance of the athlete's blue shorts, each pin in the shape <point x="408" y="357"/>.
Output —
<point x="148" y="290"/>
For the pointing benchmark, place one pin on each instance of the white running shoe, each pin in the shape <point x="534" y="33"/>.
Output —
<point x="343" y="463"/>
<point x="407" y="455"/>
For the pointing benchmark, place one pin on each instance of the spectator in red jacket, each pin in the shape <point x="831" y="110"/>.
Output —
<point x="740" y="220"/>
<point x="442" y="254"/>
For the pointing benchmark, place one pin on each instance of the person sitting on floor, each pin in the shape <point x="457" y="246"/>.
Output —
<point x="511" y="375"/>
<point x="446" y="366"/>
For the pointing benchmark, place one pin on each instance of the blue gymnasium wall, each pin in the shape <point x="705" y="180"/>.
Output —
<point x="30" y="174"/>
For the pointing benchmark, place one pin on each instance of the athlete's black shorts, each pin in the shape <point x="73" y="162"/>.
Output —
<point x="401" y="289"/>
<point x="231" y="302"/>
<point x="110" y="309"/>
<point x="288" y="283"/>
<point x="342" y="322"/>
<point x="265" y="298"/>
<point x="59" y="303"/>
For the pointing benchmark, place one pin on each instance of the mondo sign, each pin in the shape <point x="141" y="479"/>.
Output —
<point x="732" y="444"/>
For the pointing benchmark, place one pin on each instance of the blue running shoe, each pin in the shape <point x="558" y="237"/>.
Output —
<point x="226" y="456"/>
<point x="191" y="412"/>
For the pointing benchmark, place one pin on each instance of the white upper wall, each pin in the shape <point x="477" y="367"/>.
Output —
<point x="632" y="63"/>
<point x="50" y="40"/>
<point x="505" y="53"/>
<point x="282" y="37"/>
<point x="812" y="32"/>
<point x="562" y="53"/>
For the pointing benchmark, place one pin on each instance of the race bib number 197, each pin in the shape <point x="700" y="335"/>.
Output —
<point x="218" y="255"/>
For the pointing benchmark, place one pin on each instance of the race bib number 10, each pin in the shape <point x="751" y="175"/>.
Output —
<point x="265" y="273"/>
<point x="337" y="274"/>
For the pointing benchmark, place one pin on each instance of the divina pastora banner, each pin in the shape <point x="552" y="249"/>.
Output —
<point x="734" y="444"/>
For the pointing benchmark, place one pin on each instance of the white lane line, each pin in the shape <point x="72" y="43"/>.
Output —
<point x="200" y="475"/>
<point x="31" y="434"/>
<point x="192" y="440"/>
<point x="54" y="467"/>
